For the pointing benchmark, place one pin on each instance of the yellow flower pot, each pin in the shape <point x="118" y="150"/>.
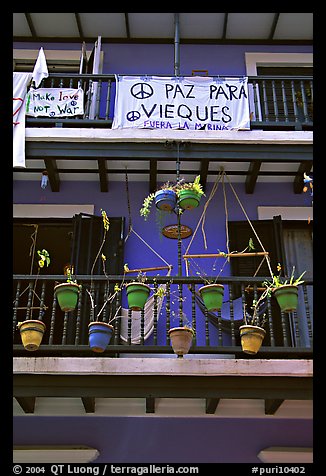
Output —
<point x="251" y="338"/>
<point x="31" y="333"/>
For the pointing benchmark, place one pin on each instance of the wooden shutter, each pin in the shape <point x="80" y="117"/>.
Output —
<point x="87" y="238"/>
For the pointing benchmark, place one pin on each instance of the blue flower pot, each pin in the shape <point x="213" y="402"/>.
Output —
<point x="165" y="200"/>
<point x="99" y="335"/>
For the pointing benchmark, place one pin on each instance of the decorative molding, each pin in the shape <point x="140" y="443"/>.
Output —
<point x="287" y="213"/>
<point x="54" y="454"/>
<point x="49" y="211"/>
<point x="278" y="454"/>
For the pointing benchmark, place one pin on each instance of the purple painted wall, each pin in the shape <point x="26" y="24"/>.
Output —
<point x="115" y="204"/>
<point x="166" y="440"/>
<point x="159" y="59"/>
<point x="137" y="254"/>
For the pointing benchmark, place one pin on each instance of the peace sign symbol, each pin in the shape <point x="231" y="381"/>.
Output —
<point x="133" y="116"/>
<point x="142" y="91"/>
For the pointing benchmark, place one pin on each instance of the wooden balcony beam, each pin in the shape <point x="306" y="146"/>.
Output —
<point x="252" y="176"/>
<point x="211" y="405"/>
<point x="27" y="404"/>
<point x="150" y="405"/>
<point x="272" y="405"/>
<point x="305" y="167"/>
<point x="102" y="175"/>
<point x="52" y="171"/>
<point x="89" y="404"/>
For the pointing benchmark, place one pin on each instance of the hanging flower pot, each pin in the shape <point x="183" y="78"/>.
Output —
<point x="181" y="340"/>
<point x="287" y="297"/>
<point x="99" y="335"/>
<point x="67" y="295"/>
<point x="165" y="200"/>
<point x="212" y="295"/>
<point x="137" y="295"/>
<point x="188" y="199"/>
<point x="31" y="333"/>
<point x="251" y="338"/>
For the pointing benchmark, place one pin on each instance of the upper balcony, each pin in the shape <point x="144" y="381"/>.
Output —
<point x="276" y="102"/>
<point x="278" y="105"/>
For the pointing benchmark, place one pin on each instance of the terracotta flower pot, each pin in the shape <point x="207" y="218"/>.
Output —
<point x="67" y="295"/>
<point x="251" y="338"/>
<point x="31" y="333"/>
<point x="212" y="295"/>
<point x="181" y="340"/>
<point x="287" y="297"/>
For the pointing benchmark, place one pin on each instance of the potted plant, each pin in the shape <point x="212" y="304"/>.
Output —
<point x="32" y="330"/>
<point x="189" y="193"/>
<point x="137" y="292"/>
<point x="100" y="331"/>
<point x="252" y="333"/>
<point x="212" y="295"/>
<point x="308" y="101"/>
<point x="181" y="337"/>
<point x="285" y="290"/>
<point x="67" y="293"/>
<point x="165" y="199"/>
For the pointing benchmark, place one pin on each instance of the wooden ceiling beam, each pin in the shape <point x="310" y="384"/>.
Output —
<point x="52" y="171"/>
<point x="27" y="403"/>
<point x="89" y="404"/>
<point x="252" y="175"/>
<point x="102" y="175"/>
<point x="304" y="167"/>
<point x="152" y="176"/>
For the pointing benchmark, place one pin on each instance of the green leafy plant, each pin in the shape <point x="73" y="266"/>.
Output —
<point x="109" y="297"/>
<point x="194" y="186"/>
<point x="146" y="207"/>
<point x="148" y="201"/>
<point x="44" y="258"/>
<point x="256" y="317"/>
<point x="278" y="280"/>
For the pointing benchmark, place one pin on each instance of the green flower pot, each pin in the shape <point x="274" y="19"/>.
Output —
<point x="287" y="297"/>
<point x="188" y="199"/>
<point x="67" y="295"/>
<point x="212" y="295"/>
<point x="137" y="295"/>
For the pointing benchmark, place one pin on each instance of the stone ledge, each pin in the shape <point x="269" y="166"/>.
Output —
<point x="159" y="366"/>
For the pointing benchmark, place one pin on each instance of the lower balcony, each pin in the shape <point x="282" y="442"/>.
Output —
<point x="173" y="302"/>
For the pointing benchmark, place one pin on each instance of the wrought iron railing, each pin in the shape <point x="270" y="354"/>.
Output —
<point x="276" y="102"/>
<point x="146" y="331"/>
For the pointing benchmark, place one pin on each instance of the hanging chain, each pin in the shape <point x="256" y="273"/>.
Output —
<point x="129" y="207"/>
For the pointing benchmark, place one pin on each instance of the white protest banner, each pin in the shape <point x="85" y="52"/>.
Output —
<point x="55" y="102"/>
<point x="194" y="103"/>
<point x="21" y="82"/>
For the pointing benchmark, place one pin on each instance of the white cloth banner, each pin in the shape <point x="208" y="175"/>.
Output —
<point x="195" y="103"/>
<point x="20" y="85"/>
<point x="55" y="102"/>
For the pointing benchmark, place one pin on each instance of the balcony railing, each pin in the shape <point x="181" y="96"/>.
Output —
<point x="288" y="335"/>
<point x="276" y="102"/>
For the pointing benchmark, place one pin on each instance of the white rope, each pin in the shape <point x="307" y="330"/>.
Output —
<point x="141" y="239"/>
